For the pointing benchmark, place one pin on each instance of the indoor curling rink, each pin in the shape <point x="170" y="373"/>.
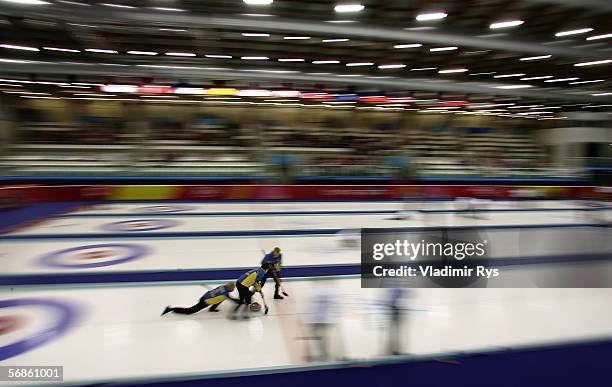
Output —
<point x="73" y="312"/>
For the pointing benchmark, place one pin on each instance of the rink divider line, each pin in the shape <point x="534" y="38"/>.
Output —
<point x="319" y="213"/>
<point x="447" y="356"/>
<point x="252" y="233"/>
<point x="303" y="271"/>
<point x="93" y="285"/>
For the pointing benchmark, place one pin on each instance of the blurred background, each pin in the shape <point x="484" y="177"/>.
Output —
<point x="306" y="91"/>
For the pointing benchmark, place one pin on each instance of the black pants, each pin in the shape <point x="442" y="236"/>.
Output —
<point x="195" y="308"/>
<point x="270" y="273"/>
<point x="244" y="293"/>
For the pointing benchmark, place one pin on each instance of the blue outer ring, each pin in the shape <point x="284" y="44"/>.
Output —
<point x="162" y="223"/>
<point x="68" y="315"/>
<point x="52" y="259"/>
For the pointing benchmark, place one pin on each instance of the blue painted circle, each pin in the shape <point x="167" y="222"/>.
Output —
<point x="53" y="259"/>
<point x="124" y="226"/>
<point x="67" y="317"/>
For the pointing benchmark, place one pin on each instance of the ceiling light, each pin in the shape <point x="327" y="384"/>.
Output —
<point x="485" y="73"/>
<point x="61" y="49"/>
<point x="334" y="40"/>
<point x="258" y="2"/>
<point x="513" y="87"/>
<point x="296" y="37"/>
<point x="16" y="47"/>
<point x="573" y="32"/>
<point x="28" y="2"/>
<point x="411" y="45"/>
<point x="436" y="49"/>
<point x="218" y="56"/>
<point x="359" y="64"/>
<point x="450" y="71"/>
<point x="535" y="57"/>
<point x="342" y="8"/>
<point x="291" y="60"/>
<point x="561" y="80"/>
<point x="601" y="94"/>
<point x="392" y="66"/>
<point x="254" y="57"/>
<point x="168" y="9"/>
<point x="593" y="81"/>
<point x="101" y="51"/>
<point x="325" y="62"/>
<point x="423" y="69"/>
<point x="597" y="37"/>
<point x="180" y="54"/>
<point x="431" y="16"/>
<point x="534" y="78"/>
<point x="142" y="53"/>
<point x="597" y="62"/>
<point x="506" y="24"/>
<point x="255" y="34"/>
<point x="508" y="75"/>
<point x="117" y="5"/>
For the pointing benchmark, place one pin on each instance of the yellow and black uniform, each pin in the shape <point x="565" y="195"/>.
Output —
<point x="276" y="261"/>
<point x="253" y="278"/>
<point x="211" y="298"/>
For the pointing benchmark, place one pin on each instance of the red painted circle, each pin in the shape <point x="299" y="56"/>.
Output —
<point x="10" y="323"/>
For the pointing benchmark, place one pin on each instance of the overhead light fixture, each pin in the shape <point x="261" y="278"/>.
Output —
<point x="117" y="5"/>
<point x="172" y="30"/>
<point x="597" y="37"/>
<point x="601" y="94"/>
<point x="484" y="73"/>
<point x="513" y="87"/>
<point x="335" y="40"/>
<point x="411" y="45"/>
<point x="561" y="80"/>
<point x="506" y="24"/>
<point x="340" y="21"/>
<point x="168" y="9"/>
<point x="451" y="71"/>
<point x="258" y="2"/>
<point x="61" y="49"/>
<point x="593" y="81"/>
<point x="28" y="2"/>
<point x="325" y="62"/>
<point x="534" y="78"/>
<point x="573" y="32"/>
<point x="180" y="54"/>
<point x="344" y="8"/>
<point x="431" y="16"/>
<point x="101" y="51"/>
<point x="256" y="14"/>
<point x="149" y="53"/>
<point x="291" y="60"/>
<point x="254" y="57"/>
<point x="296" y="37"/>
<point x="214" y="56"/>
<point x="392" y="66"/>
<point x="423" y="69"/>
<point x="353" y="64"/>
<point x="528" y="58"/>
<point x="508" y="75"/>
<point x="255" y="34"/>
<point x="597" y="62"/>
<point x="436" y="49"/>
<point x="17" y="47"/>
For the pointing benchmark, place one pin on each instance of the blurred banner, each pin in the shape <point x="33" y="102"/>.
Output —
<point x="34" y="194"/>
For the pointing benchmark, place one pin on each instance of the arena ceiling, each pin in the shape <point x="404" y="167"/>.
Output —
<point x="547" y="50"/>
